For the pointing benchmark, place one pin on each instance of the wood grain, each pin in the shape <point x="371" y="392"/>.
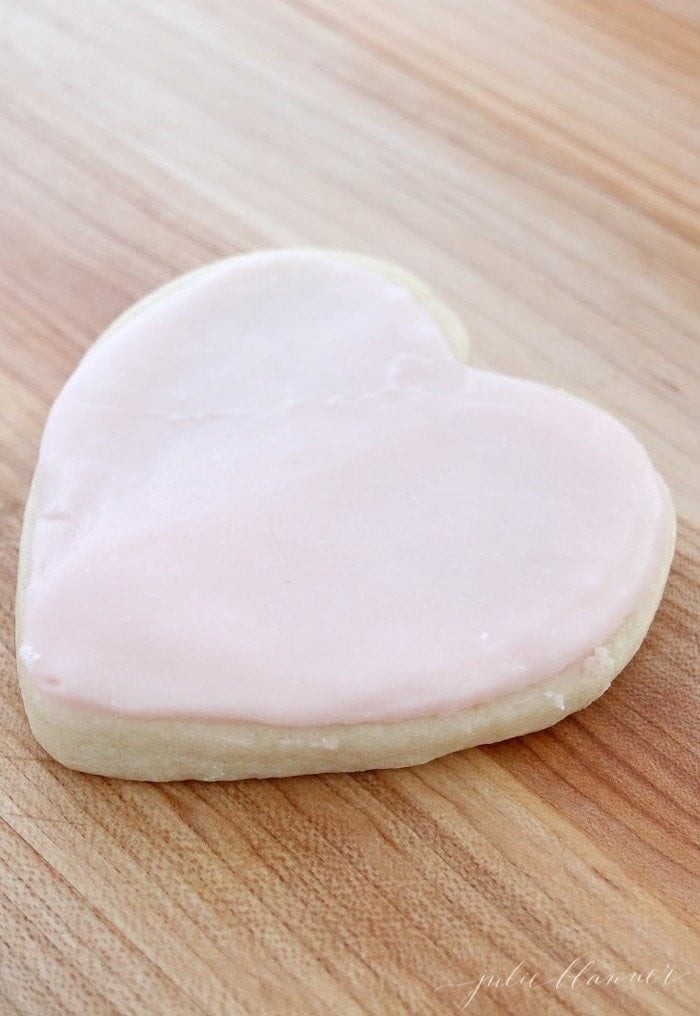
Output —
<point x="538" y="160"/>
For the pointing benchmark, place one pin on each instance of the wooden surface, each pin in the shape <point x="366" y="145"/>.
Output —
<point x="537" y="160"/>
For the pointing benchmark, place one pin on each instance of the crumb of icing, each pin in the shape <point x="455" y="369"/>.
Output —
<point x="557" y="698"/>
<point x="29" y="655"/>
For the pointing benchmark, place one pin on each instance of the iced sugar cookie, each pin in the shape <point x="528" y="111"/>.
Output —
<point x="278" y="525"/>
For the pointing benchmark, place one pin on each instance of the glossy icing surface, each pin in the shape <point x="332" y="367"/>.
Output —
<point x="275" y="495"/>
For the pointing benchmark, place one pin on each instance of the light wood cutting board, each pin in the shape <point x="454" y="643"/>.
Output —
<point x="538" y="161"/>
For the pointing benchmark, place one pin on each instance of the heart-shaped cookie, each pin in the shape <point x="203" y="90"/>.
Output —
<point x="277" y="526"/>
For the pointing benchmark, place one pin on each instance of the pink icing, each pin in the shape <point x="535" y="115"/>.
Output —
<point x="275" y="495"/>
